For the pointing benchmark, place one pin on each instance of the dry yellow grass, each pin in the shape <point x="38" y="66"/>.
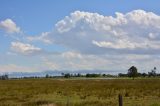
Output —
<point x="61" y="92"/>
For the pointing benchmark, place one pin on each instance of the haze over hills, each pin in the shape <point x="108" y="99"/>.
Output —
<point x="58" y="73"/>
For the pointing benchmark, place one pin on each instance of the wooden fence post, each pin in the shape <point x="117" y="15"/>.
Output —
<point x="67" y="102"/>
<point x="120" y="100"/>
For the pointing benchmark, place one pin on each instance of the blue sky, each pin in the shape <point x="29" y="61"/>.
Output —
<point x="74" y="35"/>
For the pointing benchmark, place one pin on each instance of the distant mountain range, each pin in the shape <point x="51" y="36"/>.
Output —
<point x="58" y="73"/>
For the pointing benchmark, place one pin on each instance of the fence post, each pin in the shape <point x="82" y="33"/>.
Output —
<point x="120" y="100"/>
<point x="67" y="102"/>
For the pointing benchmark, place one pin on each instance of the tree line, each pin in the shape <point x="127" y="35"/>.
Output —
<point x="88" y="75"/>
<point x="132" y="73"/>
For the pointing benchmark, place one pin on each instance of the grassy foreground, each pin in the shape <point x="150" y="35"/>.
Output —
<point x="95" y="92"/>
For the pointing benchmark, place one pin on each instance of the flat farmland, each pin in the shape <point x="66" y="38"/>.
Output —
<point x="79" y="92"/>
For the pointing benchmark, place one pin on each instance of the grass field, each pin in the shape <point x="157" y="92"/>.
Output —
<point x="93" y="92"/>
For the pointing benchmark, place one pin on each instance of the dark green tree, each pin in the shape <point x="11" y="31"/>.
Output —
<point x="132" y="72"/>
<point x="4" y="77"/>
<point x="153" y="72"/>
<point x="67" y="75"/>
<point x="47" y="76"/>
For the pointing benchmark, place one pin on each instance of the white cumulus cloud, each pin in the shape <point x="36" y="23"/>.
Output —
<point x="43" y="38"/>
<point x="25" y="49"/>
<point x="9" y="26"/>
<point x="134" y="32"/>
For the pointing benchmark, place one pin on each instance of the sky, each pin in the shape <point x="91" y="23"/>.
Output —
<point x="76" y="35"/>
